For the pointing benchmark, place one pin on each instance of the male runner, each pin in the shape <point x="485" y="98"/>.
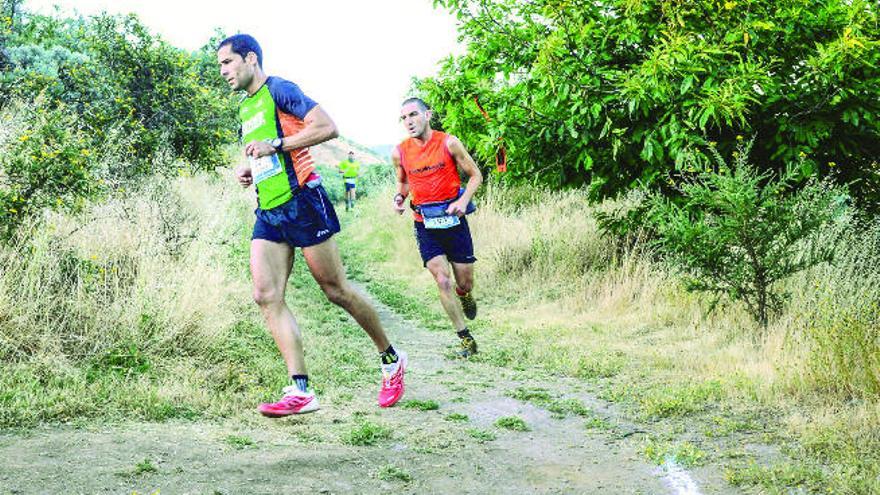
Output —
<point x="428" y="165"/>
<point x="349" y="168"/>
<point x="278" y="124"/>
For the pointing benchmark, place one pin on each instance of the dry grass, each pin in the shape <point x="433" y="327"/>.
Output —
<point x="133" y="299"/>
<point x="554" y="292"/>
<point x="82" y="282"/>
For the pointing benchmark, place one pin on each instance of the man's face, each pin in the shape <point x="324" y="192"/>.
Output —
<point x="415" y="120"/>
<point x="351" y="157"/>
<point x="235" y="69"/>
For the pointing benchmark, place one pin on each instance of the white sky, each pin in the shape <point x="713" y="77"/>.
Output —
<point x="355" y="58"/>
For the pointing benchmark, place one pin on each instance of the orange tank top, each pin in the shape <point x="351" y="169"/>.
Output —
<point x="430" y="170"/>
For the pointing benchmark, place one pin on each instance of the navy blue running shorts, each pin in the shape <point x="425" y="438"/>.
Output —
<point x="455" y="242"/>
<point x="307" y="219"/>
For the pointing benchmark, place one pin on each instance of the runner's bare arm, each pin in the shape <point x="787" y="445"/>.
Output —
<point x="467" y="166"/>
<point x="319" y="127"/>
<point x="402" y="182"/>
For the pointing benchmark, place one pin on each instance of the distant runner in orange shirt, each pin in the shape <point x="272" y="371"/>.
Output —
<point x="428" y="165"/>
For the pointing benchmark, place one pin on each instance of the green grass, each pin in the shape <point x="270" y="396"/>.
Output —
<point x="512" y="423"/>
<point x="684" y="453"/>
<point x="238" y="441"/>
<point x="780" y="478"/>
<point x="144" y="467"/>
<point x="393" y="473"/>
<point x="603" y="365"/>
<point x="481" y="435"/>
<point x="560" y="408"/>
<point x="678" y="400"/>
<point x="366" y="433"/>
<point x="537" y="395"/>
<point x="421" y="405"/>
<point x="567" y="407"/>
<point x="725" y="426"/>
<point x="456" y="417"/>
<point x="597" y="423"/>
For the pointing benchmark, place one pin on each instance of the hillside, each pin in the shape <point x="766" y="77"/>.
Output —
<point x="333" y="152"/>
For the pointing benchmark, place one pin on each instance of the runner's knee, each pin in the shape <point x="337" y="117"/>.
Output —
<point x="336" y="293"/>
<point x="265" y="296"/>
<point x="444" y="283"/>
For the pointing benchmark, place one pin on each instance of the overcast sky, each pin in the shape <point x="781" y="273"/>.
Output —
<point x="355" y="58"/>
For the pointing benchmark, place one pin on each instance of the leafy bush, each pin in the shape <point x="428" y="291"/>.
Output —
<point x="617" y="94"/>
<point x="739" y="231"/>
<point x="46" y="162"/>
<point x="100" y="101"/>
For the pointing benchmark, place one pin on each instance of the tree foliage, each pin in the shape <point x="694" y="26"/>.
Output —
<point x="100" y="101"/>
<point x="620" y="93"/>
<point x="114" y="73"/>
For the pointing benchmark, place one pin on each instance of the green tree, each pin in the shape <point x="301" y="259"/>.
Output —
<point x="737" y="231"/>
<point x="100" y="101"/>
<point x="622" y="93"/>
<point x="8" y="11"/>
<point x="46" y="163"/>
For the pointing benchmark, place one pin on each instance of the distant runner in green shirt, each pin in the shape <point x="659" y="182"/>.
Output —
<point x="349" y="169"/>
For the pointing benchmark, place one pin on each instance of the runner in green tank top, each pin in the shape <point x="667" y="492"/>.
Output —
<point x="278" y="124"/>
<point x="350" y="169"/>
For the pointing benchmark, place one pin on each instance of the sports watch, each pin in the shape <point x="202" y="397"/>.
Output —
<point x="276" y="143"/>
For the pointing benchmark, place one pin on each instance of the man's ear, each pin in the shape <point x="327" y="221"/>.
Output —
<point x="251" y="58"/>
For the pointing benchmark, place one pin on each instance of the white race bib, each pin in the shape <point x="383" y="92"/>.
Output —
<point x="443" y="222"/>
<point x="265" y="167"/>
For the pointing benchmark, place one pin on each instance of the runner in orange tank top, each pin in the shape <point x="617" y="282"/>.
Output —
<point x="428" y="165"/>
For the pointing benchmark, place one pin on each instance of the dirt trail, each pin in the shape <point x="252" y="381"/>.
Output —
<point x="430" y="453"/>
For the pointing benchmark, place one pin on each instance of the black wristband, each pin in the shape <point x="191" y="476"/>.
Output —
<point x="399" y="195"/>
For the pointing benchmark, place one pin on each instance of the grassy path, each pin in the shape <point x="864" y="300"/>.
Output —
<point x="462" y="427"/>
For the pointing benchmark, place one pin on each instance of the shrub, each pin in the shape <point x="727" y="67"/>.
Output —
<point x="100" y="101"/>
<point x="738" y="231"/>
<point x="46" y="162"/>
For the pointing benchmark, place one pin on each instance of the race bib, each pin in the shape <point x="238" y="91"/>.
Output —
<point x="444" y="222"/>
<point x="265" y="167"/>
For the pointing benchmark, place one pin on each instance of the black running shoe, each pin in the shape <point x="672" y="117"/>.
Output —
<point x="467" y="347"/>
<point x="468" y="305"/>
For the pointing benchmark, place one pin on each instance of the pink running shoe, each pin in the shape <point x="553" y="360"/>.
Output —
<point x="392" y="381"/>
<point x="294" y="401"/>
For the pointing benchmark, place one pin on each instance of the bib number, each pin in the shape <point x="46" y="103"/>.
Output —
<point x="264" y="167"/>
<point x="444" y="222"/>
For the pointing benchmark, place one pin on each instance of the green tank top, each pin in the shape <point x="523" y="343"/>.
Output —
<point x="350" y="170"/>
<point x="257" y="113"/>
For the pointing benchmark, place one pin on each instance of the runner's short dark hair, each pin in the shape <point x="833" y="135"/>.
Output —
<point x="420" y="102"/>
<point x="242" y="44"/>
